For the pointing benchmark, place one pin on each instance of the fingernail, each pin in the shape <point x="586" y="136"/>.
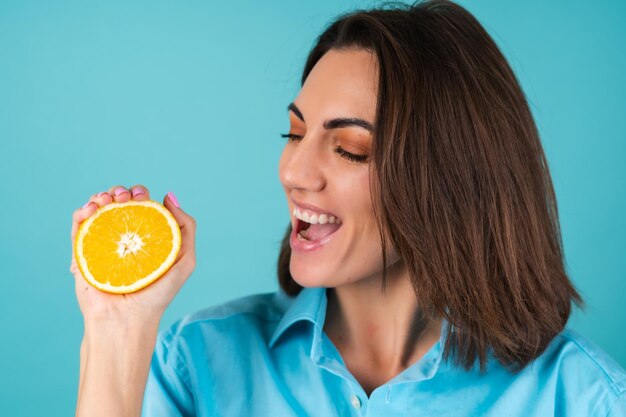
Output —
<point x="173" y="199"/>
<point x="102" y="193"/>
<point x="118" y="191"/>
<point x="136" y="191"/>
<point x="86" y="205"/>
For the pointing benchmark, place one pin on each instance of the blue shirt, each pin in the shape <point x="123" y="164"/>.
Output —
<point x="267" y="355"/>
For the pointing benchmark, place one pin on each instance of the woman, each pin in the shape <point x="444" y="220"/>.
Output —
<point x="422" y="270"/>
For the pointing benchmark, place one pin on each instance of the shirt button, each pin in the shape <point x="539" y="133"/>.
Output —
<point x="356" y="402"/>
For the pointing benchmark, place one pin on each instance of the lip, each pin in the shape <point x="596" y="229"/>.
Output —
<point x="308" y="246"/>
<point x="312" y="208"/>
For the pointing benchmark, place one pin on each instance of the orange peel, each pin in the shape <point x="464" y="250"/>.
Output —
<point x="124" y="247"/>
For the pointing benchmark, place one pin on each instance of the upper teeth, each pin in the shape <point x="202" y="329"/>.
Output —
<point x="314" y="218"/>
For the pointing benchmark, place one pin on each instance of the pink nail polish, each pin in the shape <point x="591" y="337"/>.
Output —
<point x="173" y="199"/>
<point x="136" y="191"/>
<point x="86" y="205"/>
<point x="102" y="193"/>
<point x="118" y="191"/>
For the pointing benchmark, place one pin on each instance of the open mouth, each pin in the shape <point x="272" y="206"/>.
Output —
<point x="314" y="232"/>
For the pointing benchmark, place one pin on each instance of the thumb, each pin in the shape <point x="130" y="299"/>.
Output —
<point x="186" y="223"/>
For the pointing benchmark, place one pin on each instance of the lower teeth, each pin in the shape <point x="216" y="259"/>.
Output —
<point x="300" y="237"/>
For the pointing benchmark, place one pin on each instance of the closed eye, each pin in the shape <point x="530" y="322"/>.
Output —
<point x="291" y="136"/>
<point x="343" y="153"/>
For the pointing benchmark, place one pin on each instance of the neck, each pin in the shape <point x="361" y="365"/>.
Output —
<point x="383" y="333"/>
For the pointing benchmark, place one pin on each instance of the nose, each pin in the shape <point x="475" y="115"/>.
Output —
<point x="301" y="165"/>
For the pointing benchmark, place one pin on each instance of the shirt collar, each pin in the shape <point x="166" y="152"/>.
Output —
<point x="308" y="305"/>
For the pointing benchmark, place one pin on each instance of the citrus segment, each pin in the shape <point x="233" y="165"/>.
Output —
<point x="123" y="247"/>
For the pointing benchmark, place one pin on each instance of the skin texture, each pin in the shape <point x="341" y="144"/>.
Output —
<point x="121" y="330"/>
<point x="340" y="85"/>
<point x="152" y="302"/>
<point x="372" y="331"/>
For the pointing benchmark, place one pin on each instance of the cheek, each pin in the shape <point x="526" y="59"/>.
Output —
<point x="370" y="224"/>
<point x="356" y="194"/>
<point x="362" y="197"/>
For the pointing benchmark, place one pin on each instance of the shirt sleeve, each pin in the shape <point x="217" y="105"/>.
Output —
<point x="168" y="392"/>
<point x="619" y="408"/>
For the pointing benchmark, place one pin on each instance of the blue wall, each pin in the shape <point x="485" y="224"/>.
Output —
<point x="190" y="97"/>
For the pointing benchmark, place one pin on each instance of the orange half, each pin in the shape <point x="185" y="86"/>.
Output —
<point x="124" y="247"/>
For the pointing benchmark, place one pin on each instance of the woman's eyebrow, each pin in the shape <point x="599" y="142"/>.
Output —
<point x="335" y="123"/>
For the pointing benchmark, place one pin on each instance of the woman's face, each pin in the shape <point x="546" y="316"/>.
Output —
<point x="343" y="84"/>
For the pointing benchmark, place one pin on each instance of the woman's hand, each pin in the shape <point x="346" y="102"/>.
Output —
<point x="121" y="329"/>
<point x="149" y="303"/>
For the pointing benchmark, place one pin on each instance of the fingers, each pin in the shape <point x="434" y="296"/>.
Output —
<point x="139" y="192"/>
<point x="186" y="223"/>
<point x="80" y="215"/>
<point x="118" y="194"/>
<point x="121" y="194"/>
<point x="184" y="220"/>
<point x="101" y="199"/>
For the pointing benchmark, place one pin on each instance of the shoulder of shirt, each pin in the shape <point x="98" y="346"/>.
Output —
<point x="580" y="354"/>
<point x="266" y="307"/>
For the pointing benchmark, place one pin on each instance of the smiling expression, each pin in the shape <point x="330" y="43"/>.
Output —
<point x="326" y="164"/>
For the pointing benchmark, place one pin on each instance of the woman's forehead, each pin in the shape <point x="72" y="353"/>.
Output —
<point x="342" y="82"/>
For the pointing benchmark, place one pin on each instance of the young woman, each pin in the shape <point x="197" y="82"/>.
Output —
<point x="422" y="270"/>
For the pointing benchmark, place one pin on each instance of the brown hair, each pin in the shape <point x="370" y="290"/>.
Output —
<point x="460" y="182"/>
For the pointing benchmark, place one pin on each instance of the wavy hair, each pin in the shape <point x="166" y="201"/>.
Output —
<point x="460" y="184"/>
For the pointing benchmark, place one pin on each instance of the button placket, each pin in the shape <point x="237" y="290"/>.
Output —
<point x="356" y="401"/>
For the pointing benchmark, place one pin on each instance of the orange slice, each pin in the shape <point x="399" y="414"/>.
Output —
<point x="124" y="247"/>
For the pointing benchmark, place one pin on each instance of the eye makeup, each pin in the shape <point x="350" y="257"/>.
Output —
<point x="339" y="150"/>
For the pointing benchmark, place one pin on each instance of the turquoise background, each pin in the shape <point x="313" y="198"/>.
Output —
<point x="190" y="96"/>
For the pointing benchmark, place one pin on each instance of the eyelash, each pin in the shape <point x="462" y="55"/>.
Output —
<point x="338" y="149"/>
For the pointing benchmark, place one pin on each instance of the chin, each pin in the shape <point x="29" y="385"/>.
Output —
<point x="307" y="276"/>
